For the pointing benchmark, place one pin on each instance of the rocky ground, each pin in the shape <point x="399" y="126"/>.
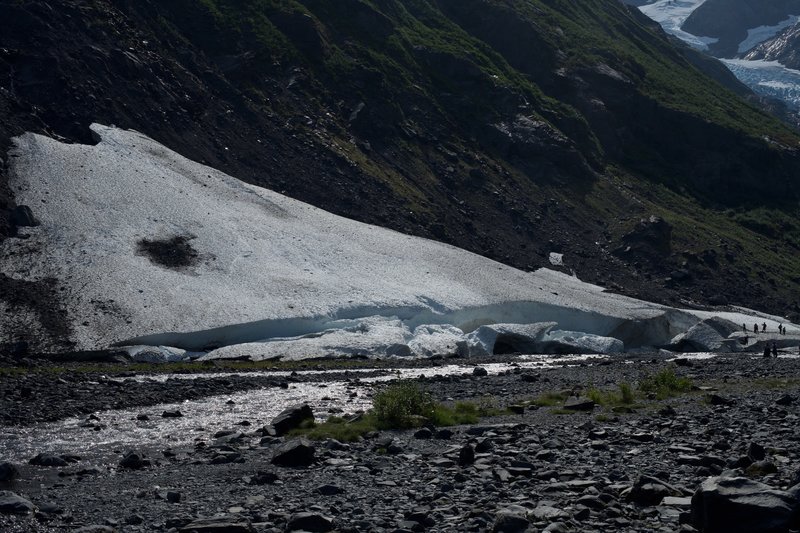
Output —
<point x="540" y="469"/>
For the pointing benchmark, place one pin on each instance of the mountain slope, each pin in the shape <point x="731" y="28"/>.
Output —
<point x="784" y="48"/>
<point x="730" y="20"/>
<point x="510" y="128"/>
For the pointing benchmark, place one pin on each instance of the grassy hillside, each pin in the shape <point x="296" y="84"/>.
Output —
<point x="512" y="128"/>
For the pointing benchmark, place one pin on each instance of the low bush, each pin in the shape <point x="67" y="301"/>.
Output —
<point x="665" y="384"/>
<point x="402" y="405"/>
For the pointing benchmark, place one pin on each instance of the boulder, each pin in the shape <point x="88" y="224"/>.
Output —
<point x="11" y="503"/>
<point x="479" y="371"/>
<point x="575" y="403"/>
<point x="313" y="522"/>
<point x="220" y="524"/>
<point x="8" y="472"/>
<point x="650" y="491"/>
<point x="423" y="434"/>
<point x="292" y="418"/>
<point x="511" y="520"/>
<point x="651" y="236"/>
<point x="466" y="455"/>
<point x="329" y="490"/>
<point x="46" y="459"/>
<point x="22" y="215"/>
<point x="295" y="453"/>
<point x="740" y="505"/>
<point x="134" y="461"/>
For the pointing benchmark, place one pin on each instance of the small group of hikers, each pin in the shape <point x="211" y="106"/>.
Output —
<point x="768" y="350"/>
<point x="781" y="329"/>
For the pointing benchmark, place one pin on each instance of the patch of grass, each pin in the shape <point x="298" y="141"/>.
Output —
<point x="401" y="405"/>
<point x="665" y="384"/>
<point x="561" y="411"/>
<point x="338" y="428"/>
<point x="774" y="383"/>
<point x="461" y="413"/>
<point x="623" y="396"/>
<point x="13" y="371"/>
<point x="549" y="399"/>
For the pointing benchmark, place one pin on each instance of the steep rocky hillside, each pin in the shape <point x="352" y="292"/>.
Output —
<point x="729" y="21"/>
<point x="784" y="48"/>
<point x="510" y="128"/>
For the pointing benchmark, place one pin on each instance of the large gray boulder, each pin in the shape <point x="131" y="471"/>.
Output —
<point x="650" y="490"/>
<point x="512" y="519"/>
<point x="292" y="418"/>
<point x="219" y="524"/>
<point x="313" y="522"/>
<point x="740" y="505"/>
<point x="295" y="453"/>
<point x="11" y="503"/>
<point x="8" y="472"/>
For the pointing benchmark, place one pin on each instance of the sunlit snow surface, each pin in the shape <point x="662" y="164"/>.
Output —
<point x="671" y="14"/>
<point x="274" y="277"/>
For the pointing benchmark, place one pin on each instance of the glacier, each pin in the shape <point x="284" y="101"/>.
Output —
<point x="671" y="14"/>
<point x="265" y="276"/>
<point x="766" y="78"/>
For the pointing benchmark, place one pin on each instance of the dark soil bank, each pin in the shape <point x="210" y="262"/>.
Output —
<point x="541" y="470"/>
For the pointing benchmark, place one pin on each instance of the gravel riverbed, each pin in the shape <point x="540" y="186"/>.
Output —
<point x="540" y="469"/>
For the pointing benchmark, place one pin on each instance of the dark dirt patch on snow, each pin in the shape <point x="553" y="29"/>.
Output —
<point x="176" y="252"/>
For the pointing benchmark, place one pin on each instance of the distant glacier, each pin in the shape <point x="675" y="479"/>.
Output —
<point x="768" y="78"/>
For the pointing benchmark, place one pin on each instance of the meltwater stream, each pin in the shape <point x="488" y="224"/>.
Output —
<point x="123" y="430"/>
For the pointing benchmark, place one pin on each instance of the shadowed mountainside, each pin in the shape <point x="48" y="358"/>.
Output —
<point x="509" y="128"/>
<point x="729" y="20"/>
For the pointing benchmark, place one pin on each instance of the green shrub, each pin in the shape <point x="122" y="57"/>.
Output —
<point x="401" y="405"/>
<point x="338" y="428"/>
<point x="665" y="384"/>
<point x="626" y="393"/>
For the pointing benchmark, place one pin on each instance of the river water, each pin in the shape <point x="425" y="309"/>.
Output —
<point x="122" y="429"/>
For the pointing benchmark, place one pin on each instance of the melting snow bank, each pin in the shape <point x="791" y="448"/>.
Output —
<point x="177" y="260"/>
